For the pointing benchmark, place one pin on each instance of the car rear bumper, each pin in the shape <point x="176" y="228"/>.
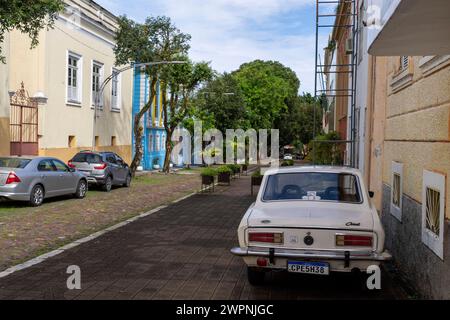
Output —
<point x="96" y="179"/>
<point x="14" y="196"/>
<point x="312" y="254"/>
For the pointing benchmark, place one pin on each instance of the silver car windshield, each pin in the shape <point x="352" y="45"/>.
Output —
<point x="310" y="186"/>
<point x="14" y="163"/>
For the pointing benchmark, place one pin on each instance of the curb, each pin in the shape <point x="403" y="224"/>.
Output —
<point x="91" y="237"/>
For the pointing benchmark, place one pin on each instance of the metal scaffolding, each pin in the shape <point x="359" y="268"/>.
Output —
<point x="323" y="17"/>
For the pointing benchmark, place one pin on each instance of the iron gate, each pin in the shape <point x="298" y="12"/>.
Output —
<point x="24" y="124"/>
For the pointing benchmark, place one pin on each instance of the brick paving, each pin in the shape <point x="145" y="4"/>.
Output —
<point x="180" y="252"/>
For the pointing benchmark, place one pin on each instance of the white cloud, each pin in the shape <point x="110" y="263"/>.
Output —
<point x="231" y="32"/>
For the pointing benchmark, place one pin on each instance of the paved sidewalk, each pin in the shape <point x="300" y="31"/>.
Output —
<point x="180" y="252"/>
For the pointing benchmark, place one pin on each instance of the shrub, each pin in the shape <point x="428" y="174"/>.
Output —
<point x="327" y="153"/>
<point x="257" y="174"/>
<point x="224" y="169"/>
<point x="208" y="172"/>
<point x="287" y="163"/>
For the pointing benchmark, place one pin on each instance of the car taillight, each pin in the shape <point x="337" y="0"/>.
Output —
<point x="353" y="241"/>
<point x="266" y="237"/>
<point x="70" y="164"/>
<point x="101" y="167"/>
<point x="12" y="178"/>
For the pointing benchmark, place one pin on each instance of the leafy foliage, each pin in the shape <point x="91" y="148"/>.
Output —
<point x="266" y="86"/>
<point x="27" y="16"/>
<point x="208" y="172"/>
<point x="327" y="152"/>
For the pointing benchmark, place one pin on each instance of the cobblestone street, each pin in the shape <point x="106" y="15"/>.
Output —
<point x="180" y="252"/>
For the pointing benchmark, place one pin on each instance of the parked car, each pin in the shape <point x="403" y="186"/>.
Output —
<point x="34" y="179"/>
<point x="288" y="156"/>
<point x="105" y="169"/>
<point x="312" y="220"/>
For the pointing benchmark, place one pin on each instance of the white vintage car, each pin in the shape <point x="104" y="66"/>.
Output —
<point x="312" y="220"/>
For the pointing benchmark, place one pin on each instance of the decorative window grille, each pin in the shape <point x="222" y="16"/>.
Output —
<point x="404" y="62"/>
<point x="397" y="190"/>
<point x="433" y="205"/>
<point x="433" y="210"/>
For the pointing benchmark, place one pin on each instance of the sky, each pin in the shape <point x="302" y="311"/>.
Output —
<point x="229" y="33"/>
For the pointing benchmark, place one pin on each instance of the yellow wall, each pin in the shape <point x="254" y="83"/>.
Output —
<point x="417" y="131"/>
<point x="375" y="125"/>
<point x="65" y="154"/>
<point x="4" y="99"/>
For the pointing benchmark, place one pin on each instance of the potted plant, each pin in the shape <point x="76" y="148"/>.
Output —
<point x="208" y="175"/>
<point x="257" y="178"/>
<point x="224" y="174"/>
<point x="235" y="169"/>
<point x="156" y="165"/>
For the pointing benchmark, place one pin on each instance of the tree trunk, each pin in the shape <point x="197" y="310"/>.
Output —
<point x="138" y="149"/>
<point x="168" y="151"/>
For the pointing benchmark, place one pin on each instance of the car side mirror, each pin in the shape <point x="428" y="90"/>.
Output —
<point x="371" y="194"/>
<point x="72" y="170"/>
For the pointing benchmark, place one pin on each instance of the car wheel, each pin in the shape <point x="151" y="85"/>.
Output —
<point x="37" y="196"/>
<point x="255" y="276"/>
<point x="127" y="183"/>
<point x="108" y="184"/>
<point x="81" y="189"/>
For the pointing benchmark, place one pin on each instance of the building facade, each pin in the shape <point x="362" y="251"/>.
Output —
<point x="416" y="167"/>
<point x="68" y="68"/>
<point x="154" y="140"/>
<point x="4" y="100"/>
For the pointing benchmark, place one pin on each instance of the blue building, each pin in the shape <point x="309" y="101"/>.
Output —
<point x="154" y="140"/>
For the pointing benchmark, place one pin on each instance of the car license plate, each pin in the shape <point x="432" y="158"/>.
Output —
<point x="319" y="268"/>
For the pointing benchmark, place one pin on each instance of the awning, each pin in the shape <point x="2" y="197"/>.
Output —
<point x="408" y="27"/>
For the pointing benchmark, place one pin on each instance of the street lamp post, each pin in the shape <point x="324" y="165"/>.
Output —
<point x="108" y="79"/>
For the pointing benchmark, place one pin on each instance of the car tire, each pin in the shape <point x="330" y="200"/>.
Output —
<point x="37" y="196"/>
<point x="107" y="186"/>
<point x="82" y="189"/>
<point x="255" y="276"/>
<point x="127" y="183"/>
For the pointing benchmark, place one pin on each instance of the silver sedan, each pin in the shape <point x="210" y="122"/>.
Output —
<point x="34" y="179"/>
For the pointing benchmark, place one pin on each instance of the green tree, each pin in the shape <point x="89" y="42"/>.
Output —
<point x="155" y="40"/>
<point x="178" y="84"/>
<point x="296" y="125"/>
<point x="221" y="99"/>
<point x="266" y="87"/>
<point x="27" y="16"/>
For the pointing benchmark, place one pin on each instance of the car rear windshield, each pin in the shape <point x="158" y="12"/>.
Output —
<point x="310" y="186"/>
<point x="87" y="157"/>
<point x="14" y="163"/>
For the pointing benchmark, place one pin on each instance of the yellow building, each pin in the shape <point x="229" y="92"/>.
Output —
<point x="4" y="100"/>
<point x="67" y="68"/>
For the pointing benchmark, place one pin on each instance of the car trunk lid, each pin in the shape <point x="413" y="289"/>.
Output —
<point x="321" y="221"/>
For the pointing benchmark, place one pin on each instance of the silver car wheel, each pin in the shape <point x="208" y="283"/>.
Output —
<point x="82" y="190"/>
<point x="38" y="196"/>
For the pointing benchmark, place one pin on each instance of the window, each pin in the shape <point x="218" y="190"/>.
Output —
<point x="74" y="76"/>
<point x="111" y="158"/>
<point x="433" y="204"/>
<point x="113" y="141"/>
<point x="60" y="167"/>
<point x="87" y="157"/>
<point x="72" y="142"/>
<point x="14" y="163"/>
<point x="97" y="79"/>
<point x="115" y="90"/>
<point x="397" y="190"/>
<point x="404" y="62"/>
<point x="158" y="143"/>
<point x="150" y="143"/>
<point x="46" y="166"/>
<point x="313" y="186"/>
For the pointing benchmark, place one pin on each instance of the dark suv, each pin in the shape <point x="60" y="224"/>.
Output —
<point x="105" y="169"/>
